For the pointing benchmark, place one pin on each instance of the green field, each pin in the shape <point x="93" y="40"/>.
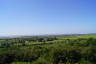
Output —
<point x="61" y="49"/>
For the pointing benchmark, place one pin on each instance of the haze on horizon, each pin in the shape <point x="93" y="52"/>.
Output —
<point x="36" y="17"/>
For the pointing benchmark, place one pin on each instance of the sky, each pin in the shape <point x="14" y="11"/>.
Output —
<point x="38" y="17"/>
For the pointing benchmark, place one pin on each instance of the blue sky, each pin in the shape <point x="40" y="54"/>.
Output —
<point x="34" y="17"/>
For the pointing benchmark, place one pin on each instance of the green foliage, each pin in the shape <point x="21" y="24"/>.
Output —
<point x="41" y="61"/>
<point x="48" y="50"/>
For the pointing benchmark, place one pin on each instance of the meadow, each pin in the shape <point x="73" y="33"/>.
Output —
<point x="52" y="49"/>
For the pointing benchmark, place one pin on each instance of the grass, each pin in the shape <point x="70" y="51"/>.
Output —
<point x="87" y="36"/>
<point x="76" y="36"/>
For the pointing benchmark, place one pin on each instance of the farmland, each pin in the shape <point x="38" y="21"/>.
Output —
<point x="53" y="49"/>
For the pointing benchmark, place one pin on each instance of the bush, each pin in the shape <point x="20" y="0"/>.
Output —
<point x="41" y="61"/>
